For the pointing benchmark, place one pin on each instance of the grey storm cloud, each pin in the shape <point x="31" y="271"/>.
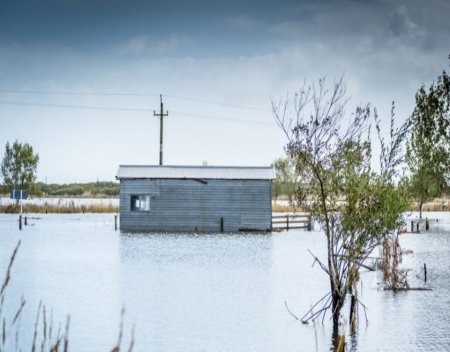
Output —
<point x="218" y="27"/>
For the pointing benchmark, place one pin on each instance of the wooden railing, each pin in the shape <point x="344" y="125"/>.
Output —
<point x="291" y="221"/>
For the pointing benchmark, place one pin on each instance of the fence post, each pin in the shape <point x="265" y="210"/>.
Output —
<point x="20" y="222"/>
<point x="287" y="222"/>
<point x="115" y="222"/>
<point x="425" y="271"/>
<point x="309" y="222"/>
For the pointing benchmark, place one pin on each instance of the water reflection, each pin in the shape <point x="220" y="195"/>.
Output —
<point x="195" y="290"/>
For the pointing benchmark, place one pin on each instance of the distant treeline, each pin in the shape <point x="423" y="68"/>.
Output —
<point x="90" y="189"/>
<point x="94" y="189"/>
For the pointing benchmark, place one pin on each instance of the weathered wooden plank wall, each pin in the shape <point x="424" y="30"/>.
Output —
<point x="179" y="205"/>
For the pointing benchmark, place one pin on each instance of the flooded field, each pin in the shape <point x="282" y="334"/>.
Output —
<point x="215" y="292"/>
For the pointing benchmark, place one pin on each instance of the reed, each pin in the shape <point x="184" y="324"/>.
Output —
<point x="276" y="208"/>
<point x="391" y="254"/>
<point x="436" y="204"/>
<point x="68" y="208"/>
<point x="43" y="338"/>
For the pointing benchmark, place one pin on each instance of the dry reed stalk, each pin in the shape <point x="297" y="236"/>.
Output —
<point x="55" y="347"/>
<point x="130" y="347"/>
<point x="44" y="321"/>
<point x="341" y="344"/>
<point x="4" y="333"/>
<point x="60" y="209"/>
<point x="61" y="344"/>
<point x="286" y="209"/>
<point x="19" y="311"/>
<point x="33" y="346"/>
<point x="66" y="337"/>
<point x="50" y="329"/>
<point x="119" y="340"/>
<point x="8" y="271"/>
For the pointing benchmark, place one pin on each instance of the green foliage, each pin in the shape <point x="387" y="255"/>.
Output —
<point x="19" y="166"/>
<point x="428" y="149"/>
<point x="285" y="182"/>
<point x="356" y="206"/>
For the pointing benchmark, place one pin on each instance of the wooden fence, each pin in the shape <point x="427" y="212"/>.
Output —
<point x="291" y="221"/>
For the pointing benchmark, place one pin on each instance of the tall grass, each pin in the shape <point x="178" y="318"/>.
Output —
<point x="433" y="205"/>
<point x="277" y="208"/>
<point x="44" y="336"/>
<point x="67" y="208"/>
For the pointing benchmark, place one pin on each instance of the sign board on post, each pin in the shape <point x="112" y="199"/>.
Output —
<point x="19" y="194"/>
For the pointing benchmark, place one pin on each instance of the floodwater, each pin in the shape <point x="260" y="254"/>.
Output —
<point x="207" y="292"/>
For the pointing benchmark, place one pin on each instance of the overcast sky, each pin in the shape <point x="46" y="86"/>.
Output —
<point x="197" y="54"/>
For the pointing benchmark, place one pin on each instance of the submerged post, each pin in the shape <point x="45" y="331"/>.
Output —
<point x="221" y="224"/>
<point x="425" y="272"/>
<point x="26" y="222"/>
<point x="115" y="222"/>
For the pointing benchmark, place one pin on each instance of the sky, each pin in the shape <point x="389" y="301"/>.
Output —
<point x="80" y="79"/>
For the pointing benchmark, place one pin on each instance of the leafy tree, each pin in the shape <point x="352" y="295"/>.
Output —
<point x="284" y="183"/>
<point x="428" y="153"/>
<point x="19" y="166"/>
<point x="357" y="207"/>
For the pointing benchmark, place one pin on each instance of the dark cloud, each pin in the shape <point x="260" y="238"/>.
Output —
<point x="86" y="23"/>
<point x="400" y="23"/>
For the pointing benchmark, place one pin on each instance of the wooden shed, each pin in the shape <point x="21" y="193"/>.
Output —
<point x="195" y="198"/>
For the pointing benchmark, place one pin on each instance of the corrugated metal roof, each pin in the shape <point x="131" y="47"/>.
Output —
<point x="195" y="172"/>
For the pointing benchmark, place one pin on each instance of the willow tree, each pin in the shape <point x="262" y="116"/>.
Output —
<point x="357" y="207"/>
<point x="428" y="149"/>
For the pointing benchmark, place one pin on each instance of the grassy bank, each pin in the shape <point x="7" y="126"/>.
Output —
<point x="277" y="208"/>
<point x="438" y="204"/>
<point x="70" y="208"/>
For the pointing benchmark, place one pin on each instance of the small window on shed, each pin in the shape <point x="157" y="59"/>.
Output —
<point x="140" y="203"/>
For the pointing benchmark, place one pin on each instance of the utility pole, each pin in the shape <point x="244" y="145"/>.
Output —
<point x="161" y="116"/>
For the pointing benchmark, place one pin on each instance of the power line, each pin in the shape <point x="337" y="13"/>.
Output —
<point x="202" y="101"/>
<point x="218" y="103"/>
<point x="13" y="91"/>
<point x="69" y="106"/>
<point x="222" y="118"/>
<point x="90" y="107"/>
